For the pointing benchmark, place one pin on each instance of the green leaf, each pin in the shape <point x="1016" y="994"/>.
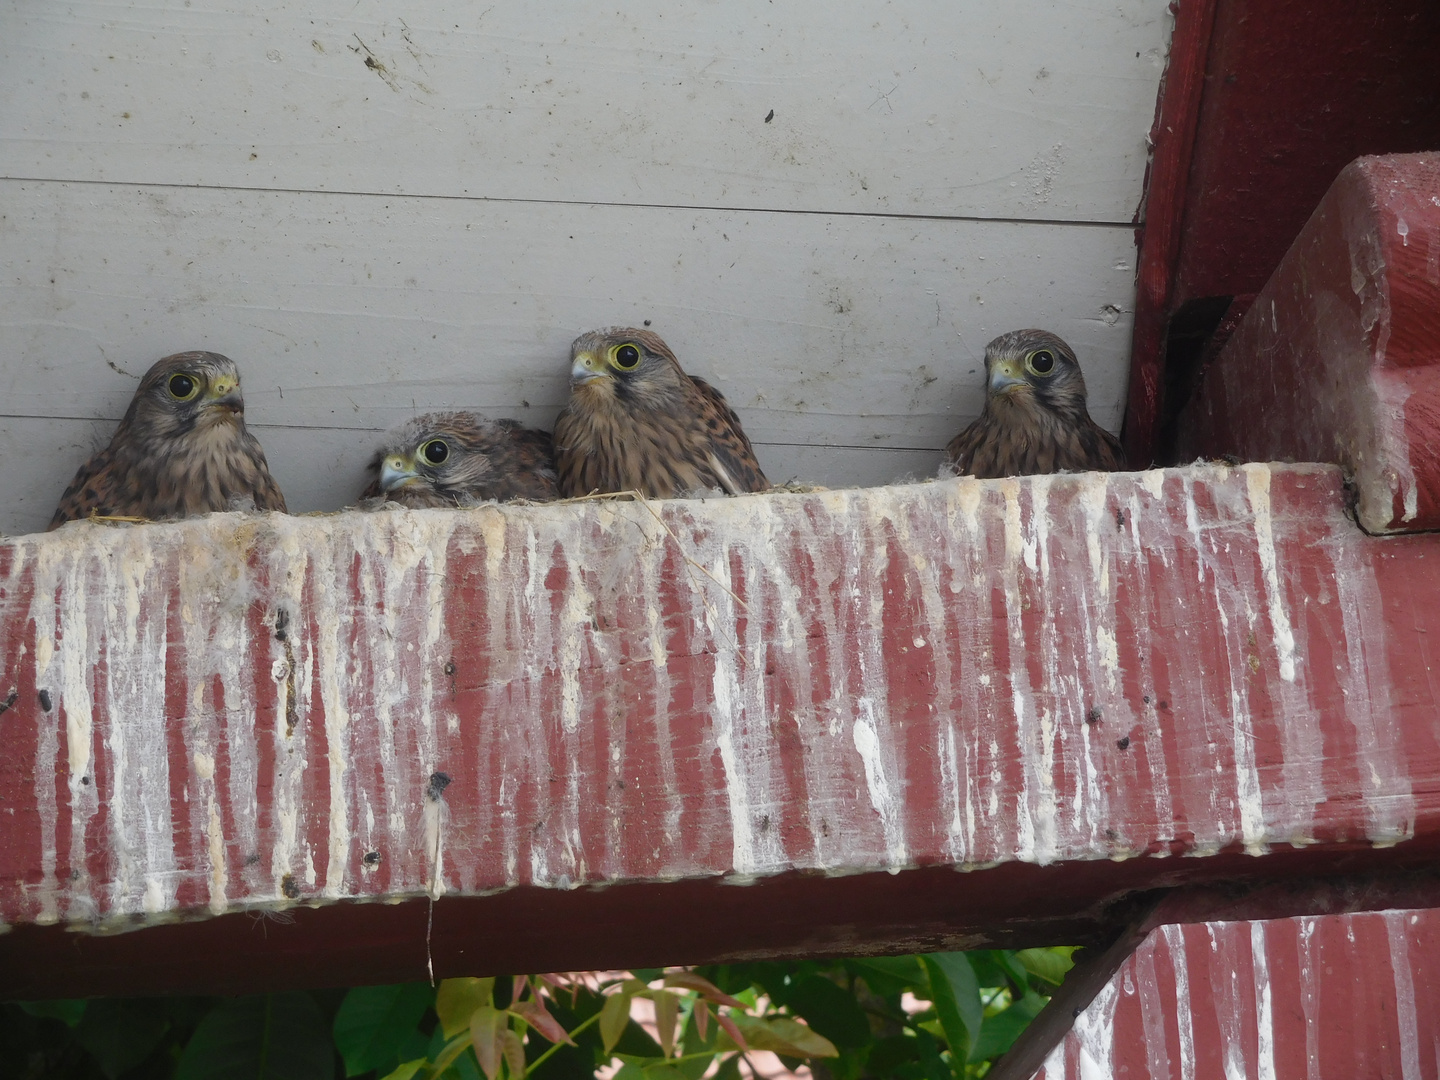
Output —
<point x="406" y="1069"/>
<point x="534" y="1013"/>
<point x="889" y="975"/>
<point x="695" y="1043"/>
<point x="691" y="980"/>
<point x="375" y="1022"/>
<point x="485" y="1026"/>
<point x="119" y="1034"/>
<point x="956" y="996"/>
<point x="831" y="1011"/>
<point x="458" y="999"/>
<point x="667" y="1008"/>
<point x="630" y="1071"/>
<point x="1048" y="964"/>
<point x="267" y="1037"/>
<point x="729" y="1069"/>
<point x="1000" y="1031"/>
<point x="891" y="1053"/>
<point x="614" y="1015"/>
<point x="928" y="1049"/>
<point x="70" y="1010"/>
<point x="514" y="1052"/>
<point x="781" y="1035"/>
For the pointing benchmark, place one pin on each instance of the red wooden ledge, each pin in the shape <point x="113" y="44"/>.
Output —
<point x="625" y="733"/>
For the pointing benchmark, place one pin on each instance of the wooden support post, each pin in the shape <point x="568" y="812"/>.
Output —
<point x="1338" y="358"/>
<point x="1335" y="995"/>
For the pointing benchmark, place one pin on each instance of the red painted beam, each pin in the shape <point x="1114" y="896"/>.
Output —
<point x="1338" y="358"/>
<point x="1172" y="139"/>
<point x="629" y="732"/>
<point x="1293" y="999"/>
<point x="1294" y="91"/>
<point x="1264" y="102"/>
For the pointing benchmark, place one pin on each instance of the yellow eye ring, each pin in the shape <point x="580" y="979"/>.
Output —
<point x="435" y="452"/>
<point x="1040" y="362"/>
<point x="182" y="386"/>
<point x="626" y="356"/>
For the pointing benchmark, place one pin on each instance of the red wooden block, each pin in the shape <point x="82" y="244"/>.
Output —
<point x="1288" y="999"/>
<point x="619" y="733"/>
<point x="1338" y="359"/>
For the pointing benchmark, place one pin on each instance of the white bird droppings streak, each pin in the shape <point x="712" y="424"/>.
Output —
<point x="1184" y="1020"/>
<point x="1406" y="1018"/>
<point x="867" y="745"/>
<point x="1257" y="484"/>
<point x="1095" y="1033"/>
<point x="1264" y="1023"/>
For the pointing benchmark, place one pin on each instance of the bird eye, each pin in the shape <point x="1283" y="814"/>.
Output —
<point x="627" y="357"/>
<point x="1040" y="362"/>
<point x="183" y="387"/>
<point x="435" y="451"/>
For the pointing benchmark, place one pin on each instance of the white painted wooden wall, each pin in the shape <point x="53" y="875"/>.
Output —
<point x="384" y="206"/>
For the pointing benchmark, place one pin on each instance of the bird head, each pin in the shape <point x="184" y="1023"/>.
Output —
<point x="625" y="364"/>
<point x="185" y="391"/>
<point x="1030" y="368"/>
<point x="442" y="453"/>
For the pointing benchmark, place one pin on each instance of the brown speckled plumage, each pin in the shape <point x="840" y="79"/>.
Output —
<point x="1034" y="421"/>
<point x="172" y="458"/>
<point x="647" y="427"/>
<point x="481" y="460"/>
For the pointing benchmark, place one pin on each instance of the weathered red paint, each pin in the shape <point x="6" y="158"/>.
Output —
<point x="1293" y="90"/>
<point x="1293" y="999"/>
<point x="1172" y="138"/>
<point x="677" y="731"/>
<point x="1338" y="358"/>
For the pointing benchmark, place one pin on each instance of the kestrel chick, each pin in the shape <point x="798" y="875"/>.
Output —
<point x="1034" y="419"/>
<point x="460" y="459"/>
<point x="636" y="421"/>
<point x="181" y="449"/>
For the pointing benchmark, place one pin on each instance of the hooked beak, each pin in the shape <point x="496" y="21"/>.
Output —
<point x="1006" y="376"/>
<point x="586" y="368"/>
<point x="396" y="472"/>
<point x="225" y="394"/>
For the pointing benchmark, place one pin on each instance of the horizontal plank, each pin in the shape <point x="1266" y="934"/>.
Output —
<point x="1054" y="684"/>
<point x="355" y="312"/>
<point x="1028" y="109"/>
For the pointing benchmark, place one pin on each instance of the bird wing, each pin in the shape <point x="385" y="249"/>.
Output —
<point x="255" y="471"/>
<point x="92" y="490"/>
<point x="729" y="451"/>
<point x="962" y="449"/>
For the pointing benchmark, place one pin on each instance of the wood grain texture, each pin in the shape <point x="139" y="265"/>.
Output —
<point x="348" y="314"/>
<point x="1028" y="110"/>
